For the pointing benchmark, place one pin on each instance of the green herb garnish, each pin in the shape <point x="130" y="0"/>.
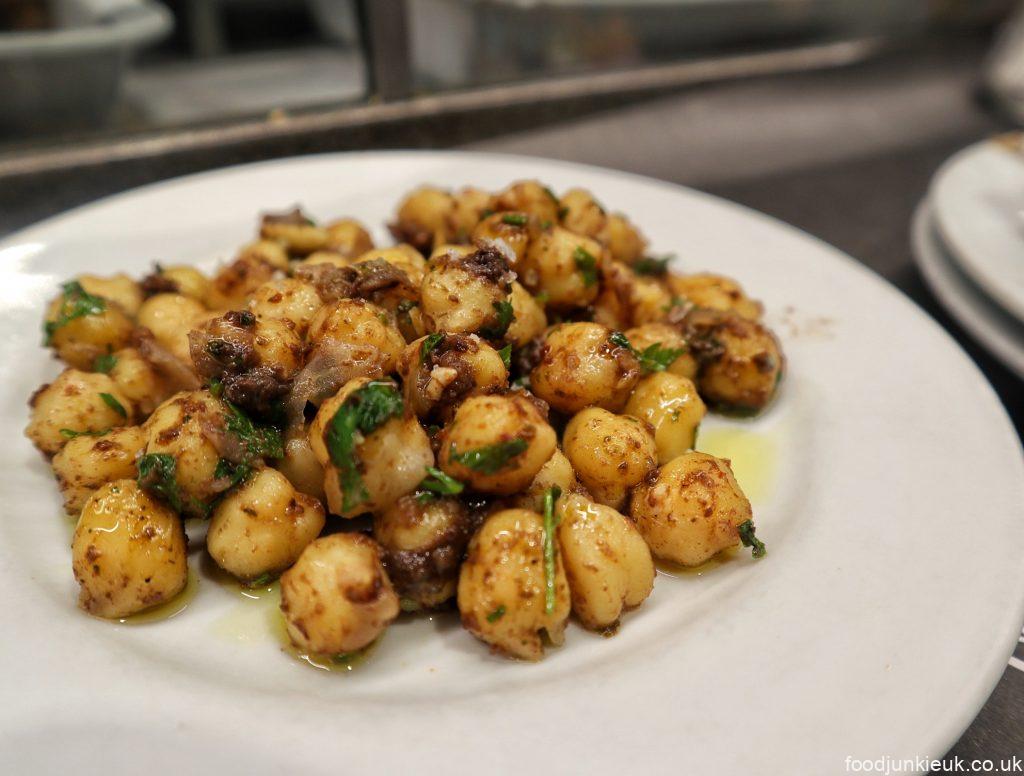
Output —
<point x="429" y="343"/>
<point x="749" y="539"/>
<point x="408" y="605"/>
<point x="563" y="212"/>
<point x="652" y="265"/>
<point x="235" y="472"/>
<point x="497" y="614"/>
<point x="259" y="441"/>
<point x="262" y="580"/>
<point x="506" y="356"/>
<point x="515" y="219"/>
<point x="586" y="264"/>
<point x="655" y="358"/>
<point x="491" y="458"/>
<point x="505" y="316"/>
<point x="550" y="193"/>
<point x="621" y="340"/>
<point x="114" y="404"/>
<point x="550" y="524"/>
<point x="216" y="388"/>
<point x="157" y="473"/>
<point x="437" y="483"/>
<point x="104" y="363"/>
<point x="70" y="433"/>
<point x="363" y="411"/>
<point x="77" y="303"/>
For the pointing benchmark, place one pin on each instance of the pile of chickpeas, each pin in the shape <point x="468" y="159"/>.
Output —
<point x="499" y="413"/>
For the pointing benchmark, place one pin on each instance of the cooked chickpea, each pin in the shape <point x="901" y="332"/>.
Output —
<point x="74" y="403"/>
<point x="185" y="280"/>
<point x="607" y="562"/>
<point x="405" y="257"/>
<point x="673" y="407"/>
<point x="369" y="330"/>
<point x="278" y="345"/>
<point x="667" y="337"/>
<point x="528" y="321"/>
<point x="509" y="232"/>
<point x="80" y="334"/>
<point x="623" y="239"/>
<point x="496" y="444"/>
<point x="286" y="299"/>
<point x="715" y="292"/>
<point x="301" y="467"/>
<point x="334" y="258"/>
<point x="424" y="218"/>
<point x="556" y="472"/>
<point x="470" y="205"/>
<point x="296" y="232"/>
<point x="119" y="289"/>
<point x="740" y="360"/>
<point x="262" y="526"/>
<point x="563" y="266"/>
<point x="170" y="317"/>
<point x="233" y="284"/>
<point x="610" y="453"/>
<point x="348" y="237"/>
<point x="391" y="459"/>
<point x="692" y="510"/>
<point x="137" y="379"/>
<point x="502" y="586"/>
<point x="423" y="541"/>
<point x="581" y="213"/>
<point x="87" y="462"/>
<point x="528" y="197"/>
<point x="581" y="366"/>
<point x="456" y="366"/>
<point x="463" y="294"/>
<point x="128" y="552"/>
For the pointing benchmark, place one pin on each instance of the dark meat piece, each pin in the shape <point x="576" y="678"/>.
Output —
<point x="365" y="280"/>
<point x="224" y="345"/>
<point x="490" y="264"/>
<point x="293" y="217"/>
<point x="255" y="390"/>
<point x="155" y="283"/>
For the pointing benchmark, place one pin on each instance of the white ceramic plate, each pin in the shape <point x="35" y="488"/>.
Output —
<point x="888" y="484"/>
<point x="978" y="200"/>
<point x="998" y="331"/>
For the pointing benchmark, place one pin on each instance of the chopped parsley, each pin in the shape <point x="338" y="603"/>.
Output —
<point x="652" y="265"/>
<point x="262" y="580"/>
<point x="749" y="539"/>
<point x="563" y="212"/>
<point x="504" y="318"/>
<point x="653" y="358"/>
<point x="506" y="356"/>
<point x="497" y="614"/>
<point x="515" y="219"/>
<point x="491" y="458"/>
<point x="216" y="388"/>
<point x="114" y="404"/>
<point x="586" y="264"/>
<point x="157" y="474"/>
<point x="364" y="411"/>
<point x="70" y="433"/>
<point x="259" y="441"/>
<point x="437" y="483"/>
<point x="550" y="193"/>
<point x="430" y="342"/>
<point x="104" y="363"/>
<point x="620" y="339"/>
<point x="550" y="524"/>
<point x="77" y="303"/>
<point x="233" y="472"/>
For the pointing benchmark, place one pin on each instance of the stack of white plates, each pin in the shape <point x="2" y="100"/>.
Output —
<point x="968" y="239"/>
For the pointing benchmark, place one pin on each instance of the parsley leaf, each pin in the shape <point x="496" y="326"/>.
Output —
<point x="550" y="524"/>
<point x="104" y="363"/>
<point x="363" y="411"/>
<point x="515" y="219"/>
<point x="497" y="614"/>
<point x="77" y="303"/>
<point x="504" y="319"/>
<point x="749" y="539"/>
<point x="430" y="342"/>
<point x="586" y="264"/>
<point x="506" y="356"/>
<point x="651" y="265"/>
<point x="491" y="458"/>
<point x="70" y="433"/>
<point x="263" y="579"/>
<point x="259" y="441"/>
<point x="550" y="193"/>
<point x="621" y="340"/>
<point x="655" y="358"/>
<point x="235" y="472"/>
<point x="440" y="484"/>
<point x="157" y="474"/>
<point x="114" y="404"/>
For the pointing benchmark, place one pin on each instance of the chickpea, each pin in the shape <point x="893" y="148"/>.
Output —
<point x="278" y="346"/>
<point x="528" y="321"/>
<point x="233" y="284"/>
<point x="581" y="366"/>
<point x="629" y="299"/>
<point x="470" y="204"/>
<point x="623" y="240"/>
<point x="502" y="586"/>
<point x="607" y="562"/>
<point x="170" y="317"/>
<point x="286" y="299"/>
<point x="390" y="460"/>
<point x="673" y="407"/>
<point x="464" y="294"/>
<point x="295" y="231"/>
<point x="610" y="453"/>
<point x="337" y="598"/>
<point x="269" y="252"/>
<point x="528" y="197"/>
<point x="564" y="266"/>
<point x="456" y="366"/>
<point x="262" y="526"/>
<point x="87" y="462"/>
<point x="405" y="257"/>
<point x="423" y="543"/>
<point x="363" y="325"/>
<point x="670" y="338"/>
<point x="334" y="258"/>
<point x="556" y="472"/>
<point x="348" y="237"/>
<point x="128" y="552"/>
<point x="301" y="467"/>
<point x="581" y="213"/>
<point x="424" y="218"/>
<point x="496" y="444"/>
<point x="509" y="232"/>
<point x="184" y="280"/>
<point x="138" y="380"/>
<point x="740" y="360"/>
<point x="119" y="289"/>
<point x="74" y="403"/>
<point x="81" y="328"/>
<point x="715" y="292"/>
<point x="692" y="510"/>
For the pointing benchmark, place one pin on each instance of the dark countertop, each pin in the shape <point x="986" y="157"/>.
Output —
<point x="845" y="155"/>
